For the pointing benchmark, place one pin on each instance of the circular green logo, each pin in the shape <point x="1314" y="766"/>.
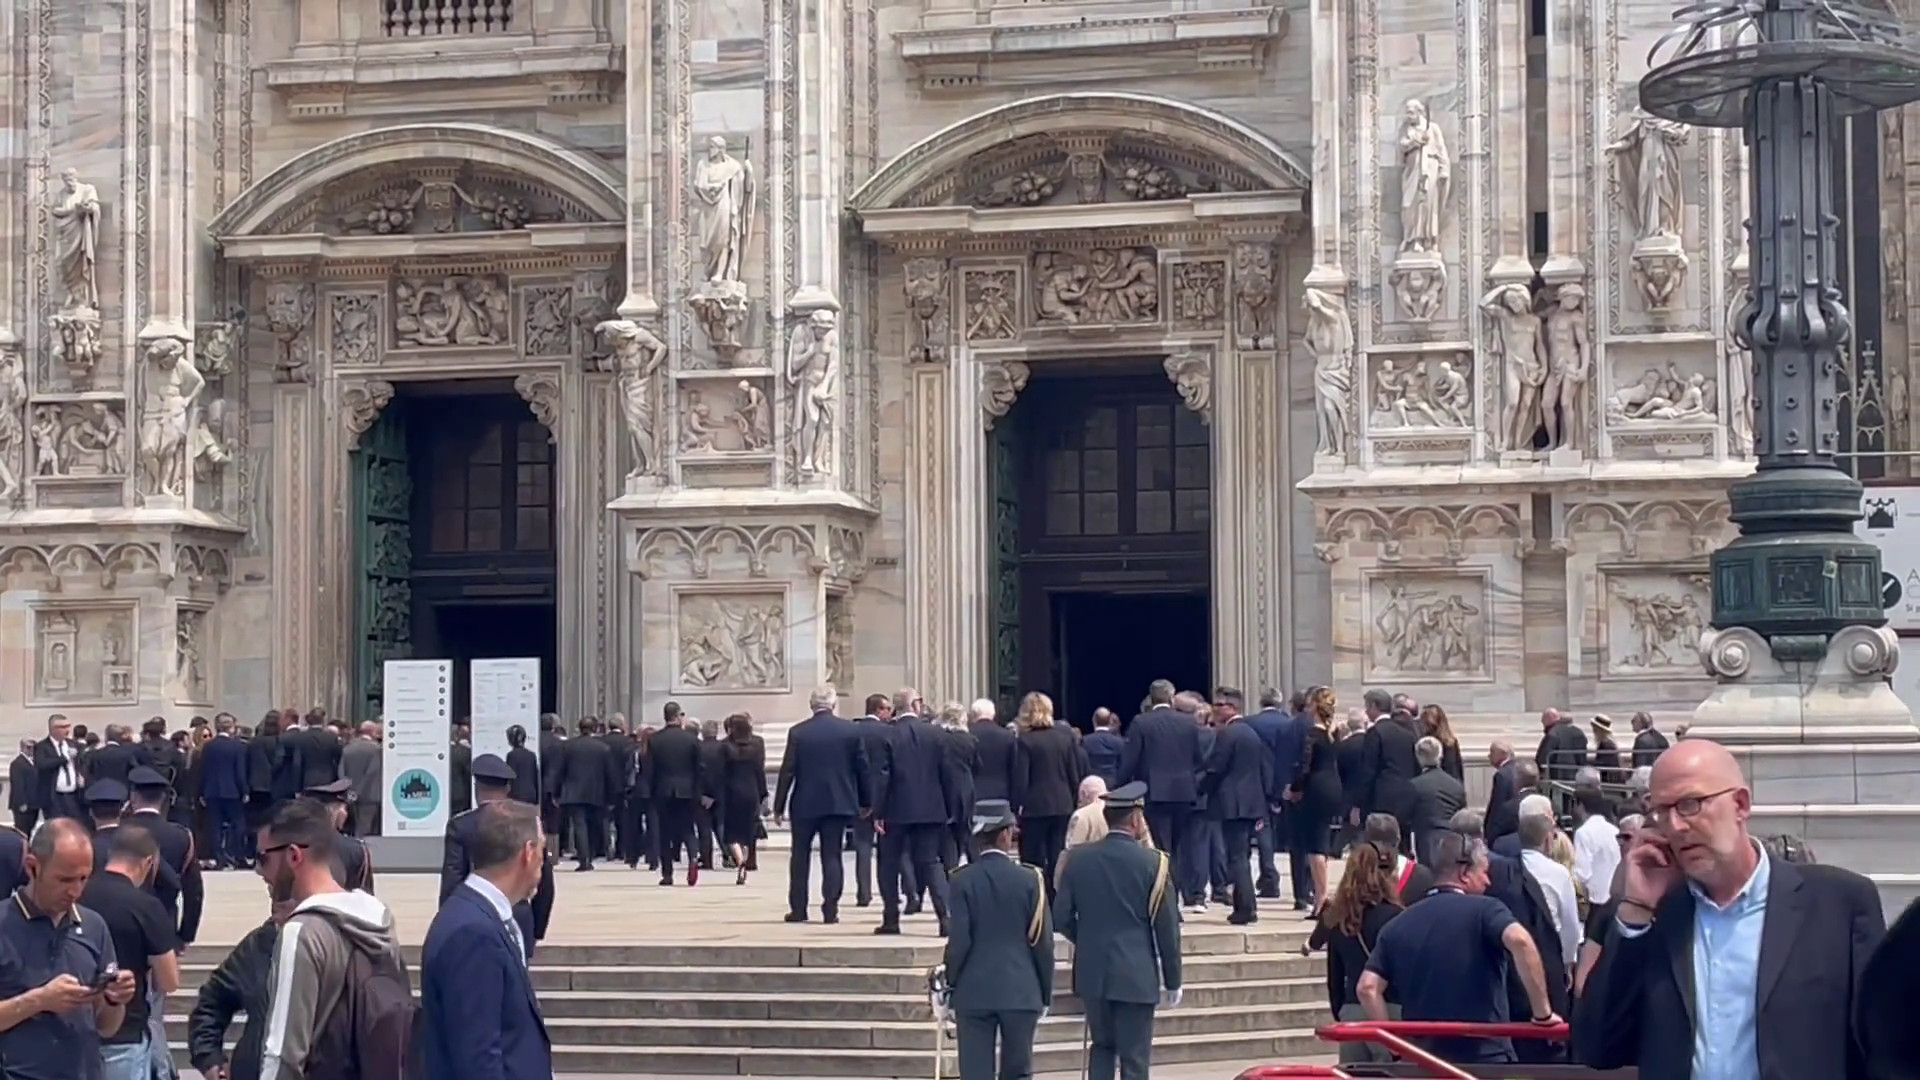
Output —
<point x="416" y="794"/>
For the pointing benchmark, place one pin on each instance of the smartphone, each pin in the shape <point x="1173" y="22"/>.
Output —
<point x="106" y="977"/>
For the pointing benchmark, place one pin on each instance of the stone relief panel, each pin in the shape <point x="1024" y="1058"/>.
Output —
<point x="722" y="417"/>
<point x="928" y="290"/>
<point x="1253" y="296"/>
<point x="1199" y="294"/>
<point x="84" y="654"/>
<point x="289" y="315"/>
<point x="1665" y="403"/>
<point x="355" y="328"/>
<point x="1427" y="627"/>
<point x="839" y="646"/>
<point x="993" y="305"/>
<point x="1075" y="168"/>
<point x="1414" y="391"/>
<point x="216" y="345"/>
<point x="734" y="640"/>
<point x="1101" y="287"/>
<point x="1652" y="621"/>
<point x="547" y="321"/>
<point x="454" y="311"/>
<point x="80" y="439"/>
<point x="191" y="660"/>
<point x="428" y="198"/>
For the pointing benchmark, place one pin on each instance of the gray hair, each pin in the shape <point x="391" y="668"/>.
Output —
<point x="1455" y="853"/>
<point x="822" y="699"/>
<point x="1469" y="823"/>
<point x="1535" y="831"/>
<point x="501" y="831"/>
<point x="1160" y="692"/>
<point x="903" y="700"/>
<point x="953" y="715"/>
<point x="1642" y="778"/>
<point x="1356" y="723"/>
<point x="1501" y="748"/>
<point x="1092" y="788"/>
<point x="982" y="709"/>
<point x="1427" y="750"/>
<point x="710" y="729"/>
<point x="1586" y="776"/>
<point x="1187" y="701"/>
<point x="1536" y="805"/>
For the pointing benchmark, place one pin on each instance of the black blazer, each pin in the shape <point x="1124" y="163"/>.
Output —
<point x="112" y="761"/>
<point x="874" y="737"/>
<point x="673" y="764"/>
<point x="1647" y="746"/>
<point x="960" y="748"/>
<point x="1163" y="748"/>
<point x="585" y="764"/>
<point x="1562" y="751"/>
<point x="1502" y="790"/>
<point x="262" y="752"/>
<point x="1052" y="766"/>
<point x="316" y="752"/>
<point x="1822" y="924"/>
<point x="22" y="784"/>
<point x="991" y="962"/>
<point x="1239" y="780"/>
<point x="47" y="763"/>
<point x="1436" y="796"/>
<point x="823" y="769"/>
<point x="455" y="864"/>
<point x="917" y="782"/>
<point x="994" y="760"/>
<point x="223" y="769"/>
<point x="1390" y="767"/>
<point x="526" y="774"/>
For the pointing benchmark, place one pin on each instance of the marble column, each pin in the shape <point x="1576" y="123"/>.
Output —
<point x="1568" y="187"/>
<point x="640" y="302"/>
<point x="171" y="124"/>
<point x="822" y="69"/>
<point x="931" y="613"/>
<point x="1501" y="144"/>
<point x="1328" y="36"/>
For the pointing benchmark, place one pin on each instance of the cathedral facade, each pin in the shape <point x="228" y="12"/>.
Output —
<point x="711" y="350"/>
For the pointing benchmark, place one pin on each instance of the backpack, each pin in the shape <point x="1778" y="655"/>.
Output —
<point x="373" y="1031"/>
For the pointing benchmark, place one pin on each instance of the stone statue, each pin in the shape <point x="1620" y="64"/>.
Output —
<point x="696" y="425"/>
<point x="1569" y="363"/>
<point x="1253" y="293"/>
<point x="813" y="370"/>
<point x="77" y="215"/>
<point x="1330" y="338"/>
<point x="1740" y="380"/>
<point x="13" y="428"/>
<point x="637" y="356"/>
<point x="94" y="433"/>
<point x="753" y="418"/>
<point x="725" y="188"/>
<point x="1523" y="362"/>
<point x="1426" y="173"/>
<point x="1452" y="396"/>
<point x="170" y="389"/>
<point x="1647" y="156"/>
<point x="46" y="441"/>
<point x="1657" y="396"/>
<point x="289" y="312"/>
<point x="207" y="446"/>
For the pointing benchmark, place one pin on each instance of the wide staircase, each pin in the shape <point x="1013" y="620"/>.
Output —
<point x="860" y="1010"/>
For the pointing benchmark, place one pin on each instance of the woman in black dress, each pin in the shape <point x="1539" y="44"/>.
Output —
<point x="1368" y="899"/>
<point x="1318" y="792"/>
<point x="1434" y="722"/>
<point x="743" y="791"/>
<point x="1046" y="783"/>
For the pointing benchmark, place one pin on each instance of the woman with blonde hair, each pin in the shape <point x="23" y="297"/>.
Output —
<point x="1046" y="782"/>
<point x="1318" y="793"/>
<point x="1367" y="900"/>
<point x="1434" y="722"/>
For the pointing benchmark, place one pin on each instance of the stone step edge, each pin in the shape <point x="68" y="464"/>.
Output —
<point x="836" y="995"/>
<point x="896" y="1025"/>
<point x="864" y="1052"/>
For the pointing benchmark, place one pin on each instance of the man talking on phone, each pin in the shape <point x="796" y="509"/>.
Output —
<point x="60" y="987"/>
<point x="1724" y="964"/>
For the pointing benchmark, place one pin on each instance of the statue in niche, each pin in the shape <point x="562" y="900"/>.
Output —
<point x="1647" y="156"/>
<point x="46" y="441"/>
<point x="1426" y="172"/>
<point x="77" y="216"/>
<point x="696" y="425"/>
<point x="207" y="446"/>
<point x="171" y="387"/>
<point x="1523" y="363"/>
<point x="813" y="370"/>
<point x="637" y="356"/>
<point x="754" y="418"/>
<point x="1569" y="363"/>
<point x="1740" y="380"/>
<point x="13" y="429"/>
<point x="95" y="433"/>
<point x="1330" y="339"/>
<point x="725" y="188"/>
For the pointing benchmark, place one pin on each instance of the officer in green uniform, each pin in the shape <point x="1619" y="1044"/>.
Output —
<point x="1113" y="904"/>
<point x="493" y="781"/>
<point x="999" y="959"/>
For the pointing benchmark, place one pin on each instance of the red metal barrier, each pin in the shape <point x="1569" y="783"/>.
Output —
<point x="1393" y="1035"/>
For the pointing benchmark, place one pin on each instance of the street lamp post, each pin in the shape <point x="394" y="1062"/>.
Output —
<point x="1798" y="641"/>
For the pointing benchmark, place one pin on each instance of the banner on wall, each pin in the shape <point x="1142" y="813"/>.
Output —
<point x="503" y="693"/>
<point x="417" y="709"/>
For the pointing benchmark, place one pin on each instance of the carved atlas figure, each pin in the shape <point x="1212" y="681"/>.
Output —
<point x="637" y="356"/>
<point x="1522" y="353"/>
<point x="813" y="371"/>
<point x="13" y="431"/>
<point x="1330" y="339"/>
<point x="171" y="388"/>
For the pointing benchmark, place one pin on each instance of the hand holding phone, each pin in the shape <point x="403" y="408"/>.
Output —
<point x="105" y="978"/>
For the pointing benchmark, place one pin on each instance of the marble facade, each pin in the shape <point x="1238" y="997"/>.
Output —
<point x="768" y="271"/>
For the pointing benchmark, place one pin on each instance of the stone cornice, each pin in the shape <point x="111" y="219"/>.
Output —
<point x="384" y="77"/>
<point x="1201" y="211"/>
<point x="1046" y="52"/>
<point x="533" y="240"/>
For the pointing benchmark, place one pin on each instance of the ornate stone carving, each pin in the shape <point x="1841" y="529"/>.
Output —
<point x="1658" y="275"/>
<point x="1031" y="187"/>
<point x="1192" y="375"/>
<point x="1655" y="625"/>
<point x="1082" y="168"/>
<point x="76" y="216"/>
<point x="548" y="330"/>
<point x="210" y="446"/>
<point x="1330" y="339"/>
<point x="1199" y="293"/>
<point x="753" y="416"/>
<point x="1106" y="285"/>
<point x="1148" y="181"/>
<point x="1421" y="393"/>
<point x="691" y="552"/>
<point x="697" y="425"/>
<point x="1740" y="378"/>
<point x="1563" y="408"/>
<point x="1521" y="350"/>
<point x="437" y="206"/>
<point x="13" y="429"/>
<point x="1253" y="295"/>
<point x="356" y="328"/>
<point x="76" y="344"/>
<point x="214" y="345"/>
<point x="813" y="373"/>
<point x="637" y="357"/>
<point x="453" y="311"/>
<point x="720" y="307"/>
<point x="1429" y="627"/>
<point x="289" y="315"/>
<point x="733" y="641"/>
<point x="839" y="641"/>
<point x="593" y="303"/>
<point x="360" y="405"/>
<point x="1426" y="177"/>
<point x="87" y="439"/>
<point x="170" y="388"/>
<point x="1089" y="173"/>
<point x="927" y="293"/>
<point x="541" y="391"/>
<point x="991" y="314"/>
<point x="189" y="650"/>
<point x="1670" y="396"/>
<point x="46" y="430"/>
<point x="1420" y="286"/>
<point x="1893" y="272"/>
<point x="1646" y="157"/>
<point x="724" y="186"/>
<point x="1000" y="384"/>
<point x="83" y="654"/>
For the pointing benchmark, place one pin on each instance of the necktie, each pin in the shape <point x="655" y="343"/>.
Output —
<point x="519" y="943"/>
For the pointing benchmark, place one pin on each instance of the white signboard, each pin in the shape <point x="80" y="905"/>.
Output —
<point x="504" y="693"/>
<point x="417" y="710"/>
<point x="1893" y="522"/>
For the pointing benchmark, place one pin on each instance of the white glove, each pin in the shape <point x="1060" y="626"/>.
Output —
<point x="1045" y="1012"/>
<point x="942" y="1007"/>
<point x="1170" y="999"/>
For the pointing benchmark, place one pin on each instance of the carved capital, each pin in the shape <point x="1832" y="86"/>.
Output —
<point x="1000" y="384"/>
<point x="541" y="391"/>
<point x="1192" y="375"/>
<point x="289" y="315"/>
<point x="360" y="405"/>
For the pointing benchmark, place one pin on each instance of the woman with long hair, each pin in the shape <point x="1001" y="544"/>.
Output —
<point x="1434" y="722"/>
<point x="743" y="791"/>
<point x="1318" y="794"/>
<point x="1349" y="925"/>
<point x="1047" y="775"/>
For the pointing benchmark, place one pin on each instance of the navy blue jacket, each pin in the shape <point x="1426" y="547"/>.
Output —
<point x="824" y="769"/>
<point x="1285" y="736"/>
<point x="916" y="782"/>
<point x="481" y="1019"/>
<point x="1104" y="750"/>
<point x="1163" y="748"/>
<point x="223" y="768"/>
<point x="1239" y="779"/>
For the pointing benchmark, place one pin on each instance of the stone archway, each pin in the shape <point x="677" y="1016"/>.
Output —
<point x="977" y="221"/>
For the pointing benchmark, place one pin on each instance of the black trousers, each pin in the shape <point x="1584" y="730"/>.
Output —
<point x="918" y="846"/>
<point x="1237" y="835"/>
<point x="1118" y="1032"/>
<point x="674" y="821"/>
<point x="1042" y="839"/>
<point x="703" y="829"/>
<point x="587" y="822"/>
<point x="863" y="844"/>
<point x="25" y="820"/>
<point x="65" y="804"/>
<point x="633" y="831"/>
<point x="229" y="831"/>
<point x="1168" y="822"/>
<point x="831" y="832"/>
<point x="976" y="1033"/>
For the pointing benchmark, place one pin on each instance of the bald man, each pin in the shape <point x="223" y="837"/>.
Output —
<point x="1724" y="964"/>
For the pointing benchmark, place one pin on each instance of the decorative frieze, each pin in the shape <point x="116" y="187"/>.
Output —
<point x="355" y="332"/>
<point x="734" y="640"/>
<point x="993" y="300"/>
<point x="1428" y="627"/>
<point x="456" y="311"/>
<point x="1102" y="287"/>
<point x="1653" y="621"/>
<point x="547" y="326"/>
<point x="360" y="405"/>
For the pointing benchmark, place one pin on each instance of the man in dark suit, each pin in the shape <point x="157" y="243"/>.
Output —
<point x="581" y="786"/>
<point x="1105" y="747"/>
<point x="56" y="767"/>
<point x="1500" y="756"/>
<point x="1239" y="789"/>
<point x="314" y="750"/>
<point x="223" y="784"/>
<point x="526" y="766"/>
<point x="916" y="790"/>
<point x="1115" y="904"/>
<point x="480" y="1016"/>
<point x="1437" y="796"/>
<point x="1284" y="734"/>
<point x="147" y="809"/>
<point x="999" y="956"/>
<point x="115" y="757"/>
<point x="960" y="745"/>
<point x="1648" y="742"/>
<point x="1163" y="750"/>
<point x="824" y="771"/>
<point x="675" y="777"/>
<point x="1703" y="908"/>
<point x="625" y="823"/>
<point x="459" y="770"/>
<point x="22" y="797"/>
<point x="1503" y="818"/>
<point x="1389" y="770"/>
<point x="995" y="750"/>
<point x="492" y="780"/>
<point x="352" y="861"/>
<point x="707" y="808"/>
<point x="876" y="730"/>
<point x="1563" y="747"/>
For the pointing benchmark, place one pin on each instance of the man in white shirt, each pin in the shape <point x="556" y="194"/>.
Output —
<point x="56" y="763"/>
<point x="1596" y="847"/>
<point x="1536" y="832"/>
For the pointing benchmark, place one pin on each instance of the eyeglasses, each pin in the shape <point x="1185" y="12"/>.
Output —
<point x="275" y="849"/>
<point x="1687" y="807"/>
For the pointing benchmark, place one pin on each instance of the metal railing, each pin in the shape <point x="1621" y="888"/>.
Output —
<point x="1418" y="1063"/>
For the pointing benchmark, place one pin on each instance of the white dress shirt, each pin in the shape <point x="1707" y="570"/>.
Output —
<point x="1557" y="884"/>
<point x="68" y="782"/>
<point x="1596" y="855"/>
<point x="503" y="908"/>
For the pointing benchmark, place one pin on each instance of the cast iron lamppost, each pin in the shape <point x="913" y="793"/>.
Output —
<point x="1804" y="588"/>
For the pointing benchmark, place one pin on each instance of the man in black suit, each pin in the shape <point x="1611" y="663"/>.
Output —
<point x="1503" y="818"/>
<point x="1163" y="749"/>
<point x="223" y="784"/>
<point x="314" y="750"/>
<point x="875" y="730"/>
<point x="1703" y="906"/>
<point x="56" y="767"/>
<point x="1648" y="742"/>
<point x="824" y="771"/>
<point x="581" y="785"/>
<point x="1500" y="756"/>
<point x="675" y="777"/>
<point x="707" y="808"/>
<point x="459" y="769"/>
<point x="999" y="958"/>
<point x="1437" y="796"/>
<point x="994" y="751"/>
<point x="147" y="809"/>
<point x="916" y="790"/>
<point x="22" y="794"/>
<point x="1239" y="788"/>
<point x="115" y="757"/>
<point x="624" y="822"/>
<point x="1563" y="747"/>
<point x="1389" y="771"/>
<point x="492" y="781"/>
<point x="960" y="745"/>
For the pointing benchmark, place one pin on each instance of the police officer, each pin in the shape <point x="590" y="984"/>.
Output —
<point x="178" y="886"/>
<point x="353" y="863"/>
<point x="1112" y="903"/>
<point x="493" y="781"/>
<point x="999" y="958"/>
<point x="105" y="800"/>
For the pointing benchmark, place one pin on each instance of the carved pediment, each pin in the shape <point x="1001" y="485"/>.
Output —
<point x="427" y="199"/>
<point x="1079" y="168"/>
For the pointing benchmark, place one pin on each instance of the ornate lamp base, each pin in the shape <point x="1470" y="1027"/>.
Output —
<point x="1801" y="690"/>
